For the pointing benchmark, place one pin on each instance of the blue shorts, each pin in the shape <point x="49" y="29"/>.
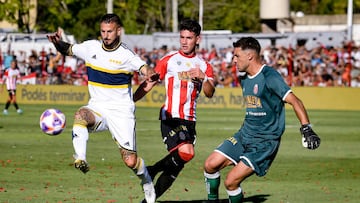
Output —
<point x="258" y="155"/>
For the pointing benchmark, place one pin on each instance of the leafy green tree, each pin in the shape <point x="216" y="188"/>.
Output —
<point x="78" y="17"/>
<point x="238" y="16"/>
<point x="127" y="11"/>
<point x="18" y="12"/>
<point x="81" y="17"/>
<point x="85" y="22"/>
<point x="323" y="7"/>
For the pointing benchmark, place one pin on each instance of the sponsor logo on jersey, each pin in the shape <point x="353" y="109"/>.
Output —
<point x="184" y="75"/>
<point x="253" y="102"/>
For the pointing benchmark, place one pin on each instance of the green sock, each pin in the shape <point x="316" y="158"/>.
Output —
<point x="235" y="196"/>
<point x="212" y="182"/>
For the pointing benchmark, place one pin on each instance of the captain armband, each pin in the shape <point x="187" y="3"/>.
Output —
<point x="140" y="70"/>
<point x="80" y="121"/>
<point x="64" y="48"/>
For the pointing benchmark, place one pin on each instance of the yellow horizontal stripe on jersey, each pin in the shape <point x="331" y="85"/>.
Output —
<point x="108" y="86"/>
<point x="107" y="70"/>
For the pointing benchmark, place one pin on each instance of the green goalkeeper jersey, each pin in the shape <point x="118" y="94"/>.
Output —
<point x="264" y="95"/>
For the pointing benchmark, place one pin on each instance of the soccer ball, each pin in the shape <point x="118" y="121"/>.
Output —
<point x="52" y="121"/>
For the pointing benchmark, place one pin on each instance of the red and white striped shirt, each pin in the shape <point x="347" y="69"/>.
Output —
<point x="11" y="76"/>
<point x="181" y="92"/>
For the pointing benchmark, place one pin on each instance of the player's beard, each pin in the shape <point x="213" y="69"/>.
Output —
<point x="113" y="45"/>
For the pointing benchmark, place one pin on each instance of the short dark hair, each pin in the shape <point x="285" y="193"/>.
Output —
<point x="111" y="18"/>
<point x="248" y="43"/>
<point x="191" y="25"/>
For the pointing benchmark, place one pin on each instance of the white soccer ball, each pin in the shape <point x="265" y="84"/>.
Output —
<point x="52" y="121"/>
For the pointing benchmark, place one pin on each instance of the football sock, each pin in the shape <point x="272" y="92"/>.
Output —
<point x="235" y="196"/>
<point x="80" y="136"/>
<point x="160" y="165"/>
<point x="7" y="105"/>
<point x="164" y="181"/>
<point x="172" y="164"/>
<point x="212" y="183"/>
<point x="141" y="171"/>
<point x="16" y="106"/>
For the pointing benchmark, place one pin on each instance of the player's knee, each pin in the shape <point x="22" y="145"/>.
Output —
<point x="186" y="156"/>
<point x="208" y="166"/>
<point x="231" y="184"/>
<point x="211" y="165"/>
<point x="84" y="117"/>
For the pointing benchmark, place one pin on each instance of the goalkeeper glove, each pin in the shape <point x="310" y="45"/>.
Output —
<point x="310" y="139"/>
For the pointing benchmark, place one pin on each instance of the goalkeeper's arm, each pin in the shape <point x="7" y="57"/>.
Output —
<point x="310" y="139"/>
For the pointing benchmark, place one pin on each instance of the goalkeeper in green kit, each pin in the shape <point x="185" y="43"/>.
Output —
<point x="253" y="148"/>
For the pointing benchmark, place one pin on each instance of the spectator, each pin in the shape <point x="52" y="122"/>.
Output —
<point x="21" y="61"/>
<point x="225" y="79"/>
<point x="307" y="64"/>
<point x="355" y="82"/>
<point x="8" y="57"/>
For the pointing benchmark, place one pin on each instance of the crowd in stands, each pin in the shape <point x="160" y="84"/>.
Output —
<point x="49" y="67"/>
<point x="321" y="66"/>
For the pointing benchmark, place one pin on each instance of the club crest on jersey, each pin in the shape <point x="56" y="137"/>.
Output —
<point x="179" y="63"/>
<point x="256" y="89"/>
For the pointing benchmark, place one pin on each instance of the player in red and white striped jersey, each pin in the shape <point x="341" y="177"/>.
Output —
<point x="184" y="74"/>
<point x="10" y="78"/>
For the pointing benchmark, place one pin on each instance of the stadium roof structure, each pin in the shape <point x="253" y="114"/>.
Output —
<point x="28" y="42"/>
<point x="292" y="39"/>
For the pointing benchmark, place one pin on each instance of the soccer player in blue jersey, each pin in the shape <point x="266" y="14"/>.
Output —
<point x="253" y="148"/>
<point x="110" y="67"/>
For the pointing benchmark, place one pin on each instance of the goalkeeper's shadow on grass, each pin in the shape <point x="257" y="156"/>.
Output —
<point x="252" y="199"/>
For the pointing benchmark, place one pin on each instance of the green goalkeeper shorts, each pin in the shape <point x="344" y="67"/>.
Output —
<point x="257" y="155"/>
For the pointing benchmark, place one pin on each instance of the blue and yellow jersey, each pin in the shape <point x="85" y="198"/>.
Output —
<point x="109" y="72"/>
<point x="264" y="95"/>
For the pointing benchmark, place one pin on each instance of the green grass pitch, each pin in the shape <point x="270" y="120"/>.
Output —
<point x="35" y="167"/>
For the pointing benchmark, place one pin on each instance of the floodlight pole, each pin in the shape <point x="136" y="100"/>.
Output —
<point x="349" y="20"/>
<point x="109" y="6"/>
<point x="201" y="11"/>
<point x="175" y="15"/>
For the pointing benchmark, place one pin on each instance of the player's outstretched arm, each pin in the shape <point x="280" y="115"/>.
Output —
<point x="151" y="79"/>
<point x="310" y="139"/>
<point x="142" y="90"/>
<point x="61" y="46"/>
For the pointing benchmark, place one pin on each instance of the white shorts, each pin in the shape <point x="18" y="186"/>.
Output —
<point x="120" y="122"/>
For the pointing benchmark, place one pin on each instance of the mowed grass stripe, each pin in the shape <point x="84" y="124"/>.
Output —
<point x="38" y="168"/>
